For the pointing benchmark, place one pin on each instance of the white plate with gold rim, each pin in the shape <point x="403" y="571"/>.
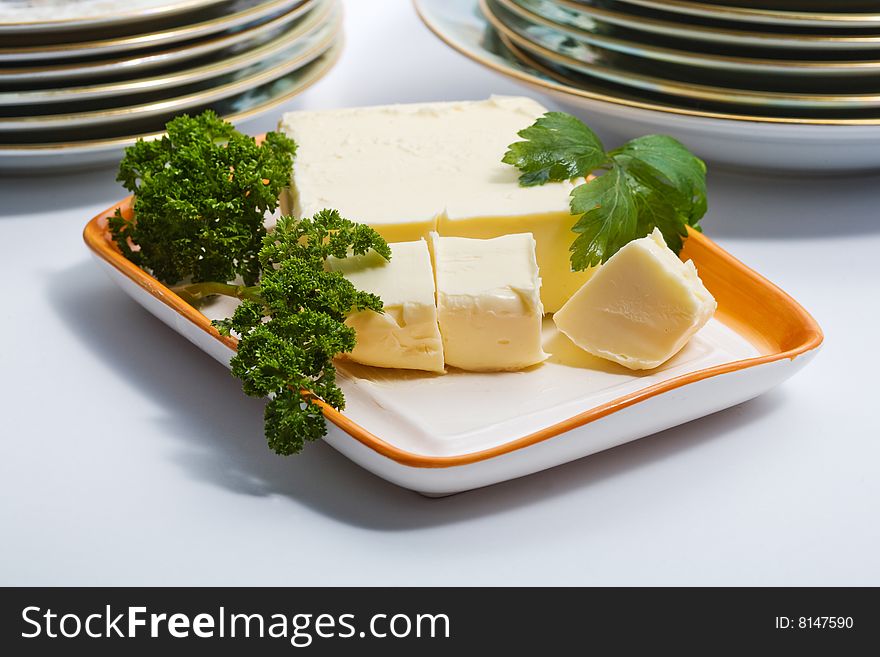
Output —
<point x="91" y="150"/>
<point x="442" y="434"/>
<point x="132" y="64"/>
<point x="35" y="16"/>
<point x="296" y="56"/>
<point x="540" y="14"/>
<point x="324" y="20"/>
<point x="744" y="141"/>
<point x="758" y="14"/>
<point x="543" y="43"/>
<point x="61" y="51"/>
<point x="602" y="18"/>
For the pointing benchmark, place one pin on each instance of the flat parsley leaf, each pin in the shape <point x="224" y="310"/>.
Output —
<point x="607" y="209"/>
<point x="558" y="146"/>
<point x="651" y="181"/>
<point x="666" y="166"/>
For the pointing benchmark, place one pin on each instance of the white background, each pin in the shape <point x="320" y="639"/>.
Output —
<point x="129" y="457"/>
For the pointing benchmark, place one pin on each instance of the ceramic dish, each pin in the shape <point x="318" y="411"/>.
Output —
<point x="609" y="19"/>
<point x="135" y="64"/>
<point x="850" y="6"/>
<point x="544" y="43"/>
<point x="85" y="34"/>
<point x="575" y="80"/>
<point x="255" y="13"/>
<point x="27" y="16"/>
<point x="506" y="425"/>
<point x="29" y="126"/>
<point x="763" y="15"/>
<point x="286" y="45"/>
<point x="91" y="151"/>
<point x="540" y="13"/>
<point x="740" y="140"/>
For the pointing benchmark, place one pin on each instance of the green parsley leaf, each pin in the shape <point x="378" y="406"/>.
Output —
<point x="674" y="170"/>
<point x="558" y="147"/>
<point x="651" y="181"/>
<point x="201" y="194"/>
<point x="608" y="215"/>
<point x="291" y="325"/>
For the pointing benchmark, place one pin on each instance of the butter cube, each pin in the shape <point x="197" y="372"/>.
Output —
<point x="553" y="237"/>
<point x="640" y="308"/>
<point x="408" y="170"/>
<point x="488" y="302"/>
<point x="406" y="334"/>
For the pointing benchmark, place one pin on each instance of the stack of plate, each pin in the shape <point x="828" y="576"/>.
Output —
<point x="81" y="80"/>
<point x="775" y="84"/>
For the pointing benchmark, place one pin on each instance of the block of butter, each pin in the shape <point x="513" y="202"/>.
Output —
<point x="408" y="170"/>
<point x="639" y="308"/>
<point x="488" y="302"/>
<point x="406" y="334"/>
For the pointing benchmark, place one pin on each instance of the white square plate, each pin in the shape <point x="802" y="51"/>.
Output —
<point x="442" y="434"/>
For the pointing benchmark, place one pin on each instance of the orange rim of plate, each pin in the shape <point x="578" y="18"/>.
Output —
<point x="777" y="325"/>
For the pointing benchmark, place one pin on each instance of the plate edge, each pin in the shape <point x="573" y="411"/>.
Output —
<point x="809" y="338"/>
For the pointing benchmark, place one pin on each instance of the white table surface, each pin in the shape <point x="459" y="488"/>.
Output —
<point x="129" y="457"/>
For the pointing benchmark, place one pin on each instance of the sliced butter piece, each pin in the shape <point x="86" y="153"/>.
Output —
<point x="488" y="302"/>
<point x="407" y="170"/>
<point x="553" y="237"/>
<point x="639" y="308"/>
<point x="406" y="334"/>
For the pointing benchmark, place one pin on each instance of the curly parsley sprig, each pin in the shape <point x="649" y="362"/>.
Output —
<point x="201" y="195"/>
<point x="651" y="181"/>
<point x="291" y="324"/>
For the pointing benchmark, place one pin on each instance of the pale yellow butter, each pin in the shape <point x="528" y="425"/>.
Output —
<point x="407" y="170"/>
<point x="639" y="308"/>
<point x="488" y="302"/>
<point x="406" y="334"/>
